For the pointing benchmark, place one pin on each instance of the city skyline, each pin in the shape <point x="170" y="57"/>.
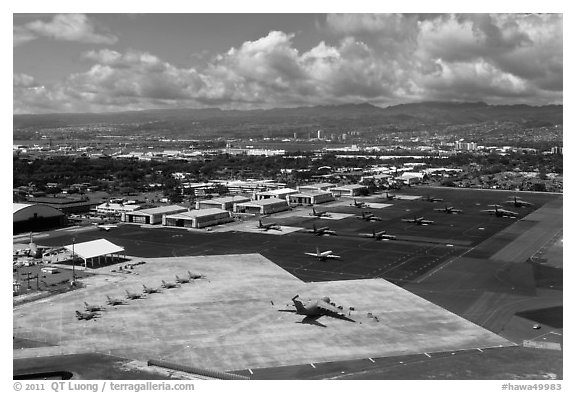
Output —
<point x="118" y="62"/>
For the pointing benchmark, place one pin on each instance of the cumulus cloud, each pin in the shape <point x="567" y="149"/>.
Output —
<point x="383" y="59"/>
<point x="63" y="27"/>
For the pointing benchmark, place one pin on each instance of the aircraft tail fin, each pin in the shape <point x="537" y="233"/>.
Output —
<point x="314" y="227"/>
<point x="317" y="251"/>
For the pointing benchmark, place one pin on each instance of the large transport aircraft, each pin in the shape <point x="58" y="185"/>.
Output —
<point x="93" y="308"/>
<point x="324" y="255"/>
<point x="518" y="202"/>
<point x="86" y="315"/>
<point x="319" y="214"/>
<point x="368" y="216"/>
<point x="449" y="210"/>
<point x="146" y="289"/>
<point x="106" y="227"/>
<point x="268" y="226"/>
<point x="114" y="301"/>
<point x="498" y="212"/>
<point x="314" y="309"/>
<point x="381" y="235"/>
<point x="418" y="221"/>
<point x="321" y="231"/>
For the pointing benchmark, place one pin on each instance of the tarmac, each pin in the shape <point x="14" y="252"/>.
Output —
<point x="231" y="319"/>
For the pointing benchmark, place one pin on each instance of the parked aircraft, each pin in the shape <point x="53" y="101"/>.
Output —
<point x="91" y="308"/>
<point x="500" y="212"/>
<point x="133" y="296"/>
<point x="321" y="231"/>
<point x="195" y="276"/>
<point x="169" y="285"/>
<point x="114" y="301"/>
<point x="319" y="214"/>
<point x="390" y="196"/>
<point x="150" y="290"/>
<point x="324" y="255"/>
<point x="184" y="280"/>
<point x="358" y="204"/>
<point x="418" y="221"/>
<point x="369" y="217"/>
<point x="518" y="202"/>
<point x="381" y="236"/>
<point x="86" y="315"/>
<point x="432" y="199"/>
<point x="314" y="309"/>
<point x="449" y="210"/>
<point x="268" y="226"/>
<point x="105" y="227"/>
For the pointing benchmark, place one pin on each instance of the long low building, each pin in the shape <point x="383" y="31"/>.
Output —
<point x="151" y="216"/>
<point x="263" y="206"/>
<point x="224" y="203"/>
<point x="348" y="190"/>
<point x="97" y="252"/>
<point x="311" y="197"/>
<point x="198" y="218"/>
<point x="282" y="193"/>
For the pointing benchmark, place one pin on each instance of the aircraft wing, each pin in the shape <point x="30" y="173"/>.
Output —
<point x="312" y="254"/>
<point x="333" y="311"/>
<point x="332" y="256"/>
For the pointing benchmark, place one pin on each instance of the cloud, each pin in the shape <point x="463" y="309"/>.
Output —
<point x="63" y="27"/>
<point x="383" y="59"/>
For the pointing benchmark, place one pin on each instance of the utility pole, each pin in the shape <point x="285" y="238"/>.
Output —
<point x="73" y="263"/>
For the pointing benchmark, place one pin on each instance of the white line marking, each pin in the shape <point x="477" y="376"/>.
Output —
<point x="479" y="349"/>
<point x="250" y="371"/>
<point x="427" y="355"/>
<point x="312" y="364"/>
<point x="372" y="360"/>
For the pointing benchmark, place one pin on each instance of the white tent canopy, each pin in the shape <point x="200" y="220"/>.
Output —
<point x="94" y="249"/>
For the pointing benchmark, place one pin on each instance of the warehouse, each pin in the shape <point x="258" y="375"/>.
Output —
<point x="315" y="187"/>
<point x="350" y="190"/>
<point x="224" y="203"/>
<point x="198" y="218"/>
<point x="282" y="193"/>
<point x="263" y="206"/>
<point x="36" y="217"/>
<point x="66" y="205"/>
<point x="113" y="208"/>
<point x="311" y="197"/>
<point x="152" y="215"/>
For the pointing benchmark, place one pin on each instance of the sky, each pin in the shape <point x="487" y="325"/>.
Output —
<point x="117" y="62"/>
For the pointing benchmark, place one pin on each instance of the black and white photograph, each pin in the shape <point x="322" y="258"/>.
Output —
<point x="349" y="196"/>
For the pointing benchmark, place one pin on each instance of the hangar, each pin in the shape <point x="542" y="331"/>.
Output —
<point x="152" y="215"/>
<point x="263" y="206"/>
<point x="348" y="190"/>
<point x="35" y="217"/>
<point x="311" y="197"/>
<point x="198" y="218"/>
<point x="96" y="252"/>
<point x="315" y="187"/>
<point x="282" y="193"/>
<point x="224" y="203"/>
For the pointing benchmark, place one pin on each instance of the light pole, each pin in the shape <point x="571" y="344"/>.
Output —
<point x="73" y="263"/>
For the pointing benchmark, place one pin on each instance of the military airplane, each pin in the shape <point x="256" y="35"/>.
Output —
<point x="518" y="202"/>
<point x="449" y="210"/>
<point x="183" y="280"/>
<point x="195" y="276"/>
<point x="314" y="309"/>
<point x="324" y="255"/>
<point x="321" y="231"/>
<point x="418" y="221"/>
<point x="133" y="296"/>
<point x="92" y="308"/>
<point x="268" y="226"/>
<point x="358" y="204"/>
<point x="86" y="315"/>
<point x="368" y="216"/>
<point x="381" y="236"/>
<point x="114" y="301"/>
<point x="429" y="198"/>
<point x="106" y="227"/>
<point x="500" y="212"/>
<point x="150" y="290"/>
<point x="319" y="214"/>
<point x="169" y="285"/>
<point x="390" y="196"/>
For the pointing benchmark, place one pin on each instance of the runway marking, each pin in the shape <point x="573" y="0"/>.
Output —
<point x="312" y="364"/>
<point x="427" y="355"/>
<point x="372" y="360"/>
<point x="250" y="371"/>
